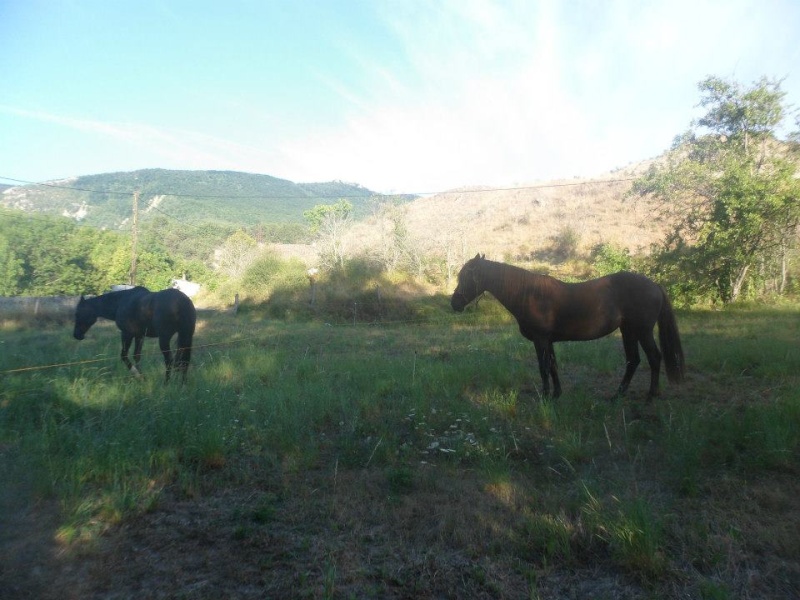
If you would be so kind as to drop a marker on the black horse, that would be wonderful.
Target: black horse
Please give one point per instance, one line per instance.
(548, 310)
(138, 312)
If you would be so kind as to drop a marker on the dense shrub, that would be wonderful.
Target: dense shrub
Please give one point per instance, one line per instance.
(610, 258)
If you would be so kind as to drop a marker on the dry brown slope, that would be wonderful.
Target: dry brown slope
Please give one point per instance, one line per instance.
(515, 223)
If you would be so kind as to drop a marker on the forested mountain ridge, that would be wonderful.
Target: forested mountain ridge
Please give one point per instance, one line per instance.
(192, 197)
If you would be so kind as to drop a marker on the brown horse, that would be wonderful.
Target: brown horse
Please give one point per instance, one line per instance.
(548, 310)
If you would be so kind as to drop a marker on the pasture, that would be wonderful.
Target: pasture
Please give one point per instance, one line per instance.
(400, 459)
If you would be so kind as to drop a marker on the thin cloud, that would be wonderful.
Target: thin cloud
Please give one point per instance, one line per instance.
(421, 96)
(188, 149)
(112, 130)
(514, 92)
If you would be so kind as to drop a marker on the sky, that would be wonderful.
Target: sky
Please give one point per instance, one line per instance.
(399, 96)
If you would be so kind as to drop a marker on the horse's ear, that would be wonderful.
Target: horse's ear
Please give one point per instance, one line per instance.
(478, 256)
(81, 300)
(483, 256)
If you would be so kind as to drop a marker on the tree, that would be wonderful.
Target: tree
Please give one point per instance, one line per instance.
(155, 269)
(10, 268)
(729, 187)
(237, 253)
(55, 257)
(42, 256)
(329, 223)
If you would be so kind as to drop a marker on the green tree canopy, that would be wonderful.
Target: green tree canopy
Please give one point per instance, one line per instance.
(11, 268)
(43, 256)
(729, 187)
(323, 215)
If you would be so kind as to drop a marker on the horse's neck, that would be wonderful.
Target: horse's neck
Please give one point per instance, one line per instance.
(107, 305)
(506, 283)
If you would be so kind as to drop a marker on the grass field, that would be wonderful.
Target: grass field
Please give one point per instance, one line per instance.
(402, 459)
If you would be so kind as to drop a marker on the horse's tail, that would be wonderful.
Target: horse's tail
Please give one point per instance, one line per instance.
(670, 341)
(188, 318)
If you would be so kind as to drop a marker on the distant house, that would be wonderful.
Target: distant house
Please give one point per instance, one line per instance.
(120, 287)
(190, 288)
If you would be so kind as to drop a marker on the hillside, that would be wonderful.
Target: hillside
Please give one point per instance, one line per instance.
(523, 224)
(223, 197)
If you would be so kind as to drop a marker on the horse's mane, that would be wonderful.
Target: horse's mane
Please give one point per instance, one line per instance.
(514, 280)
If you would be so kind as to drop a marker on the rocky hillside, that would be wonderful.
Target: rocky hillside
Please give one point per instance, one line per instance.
(189, 197)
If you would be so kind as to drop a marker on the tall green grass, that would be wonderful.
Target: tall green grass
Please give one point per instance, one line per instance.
(460, 393)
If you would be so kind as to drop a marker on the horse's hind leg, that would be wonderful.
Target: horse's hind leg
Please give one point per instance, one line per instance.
(137, 354)
(544, 371)
(554, 370)
(632, 358)
(547, 368)
(163, 343)
(654, 360)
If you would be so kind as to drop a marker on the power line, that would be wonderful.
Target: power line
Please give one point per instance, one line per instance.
(22, 215)
(541, 186)
(183, 195)
(345, 196)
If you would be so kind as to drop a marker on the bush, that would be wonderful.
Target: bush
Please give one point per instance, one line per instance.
(257, 280)
(610, 258)
(565, 244)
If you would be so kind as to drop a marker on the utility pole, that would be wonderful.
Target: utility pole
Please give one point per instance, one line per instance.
(134, 237)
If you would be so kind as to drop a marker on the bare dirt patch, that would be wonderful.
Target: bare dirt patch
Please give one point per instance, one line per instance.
(379, 534)
(311, 535)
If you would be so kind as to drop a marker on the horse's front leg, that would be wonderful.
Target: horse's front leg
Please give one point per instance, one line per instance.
(127, 338)
(163, 342)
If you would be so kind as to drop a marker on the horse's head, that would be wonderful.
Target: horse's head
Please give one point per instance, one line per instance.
(468, 287)
(85, 317)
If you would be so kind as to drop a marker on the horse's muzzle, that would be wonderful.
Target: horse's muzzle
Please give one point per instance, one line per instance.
(457, 303)
(79, 335)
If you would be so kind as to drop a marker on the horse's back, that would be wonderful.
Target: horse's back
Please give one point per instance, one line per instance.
(176, 307)
(153, 314)
(128, 312)
(618, 288)
(594, 308)
(627, 284)
(174, 297)
(637, 296)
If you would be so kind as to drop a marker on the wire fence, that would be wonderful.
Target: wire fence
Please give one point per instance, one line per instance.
(66, 309)
(37, 306)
